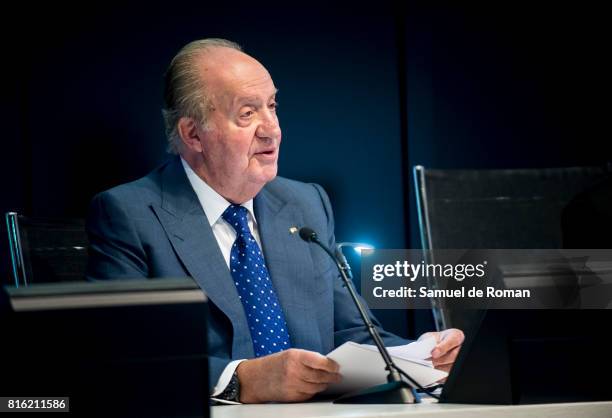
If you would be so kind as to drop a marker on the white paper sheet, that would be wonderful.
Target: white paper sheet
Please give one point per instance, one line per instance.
(415, 351)
(362, 367)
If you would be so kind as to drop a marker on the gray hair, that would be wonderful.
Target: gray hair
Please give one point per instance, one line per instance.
(184, 90)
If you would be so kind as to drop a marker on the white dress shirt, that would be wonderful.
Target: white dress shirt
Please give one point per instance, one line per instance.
(214, 205)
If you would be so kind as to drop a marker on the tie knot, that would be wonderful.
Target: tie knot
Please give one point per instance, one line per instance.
(236, 216)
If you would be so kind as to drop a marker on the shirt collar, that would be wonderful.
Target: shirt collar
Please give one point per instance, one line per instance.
(212, 202)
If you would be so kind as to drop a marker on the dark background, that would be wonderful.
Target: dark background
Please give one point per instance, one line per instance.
(367, 90)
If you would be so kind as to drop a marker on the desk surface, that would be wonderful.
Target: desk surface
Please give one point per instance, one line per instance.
(327, 409)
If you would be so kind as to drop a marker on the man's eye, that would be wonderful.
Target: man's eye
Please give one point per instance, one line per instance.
(247, 114)
(273, 106)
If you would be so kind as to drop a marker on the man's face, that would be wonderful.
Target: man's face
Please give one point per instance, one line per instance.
(241, 139)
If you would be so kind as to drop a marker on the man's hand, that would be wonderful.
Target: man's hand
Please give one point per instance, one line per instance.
(288, 376)
(445, 352)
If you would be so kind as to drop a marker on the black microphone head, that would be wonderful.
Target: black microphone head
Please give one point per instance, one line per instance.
(308, 234)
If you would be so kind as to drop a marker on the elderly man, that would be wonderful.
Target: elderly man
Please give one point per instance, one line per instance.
(217, 212)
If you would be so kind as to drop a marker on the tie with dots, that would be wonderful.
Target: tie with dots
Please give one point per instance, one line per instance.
(255, 290)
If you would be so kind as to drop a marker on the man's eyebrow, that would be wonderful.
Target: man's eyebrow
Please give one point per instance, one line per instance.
(248, 99)
(252, 99)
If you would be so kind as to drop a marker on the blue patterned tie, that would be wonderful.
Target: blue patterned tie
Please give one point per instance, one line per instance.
(261, 306)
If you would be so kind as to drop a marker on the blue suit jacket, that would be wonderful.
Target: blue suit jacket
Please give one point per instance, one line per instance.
(156, 227)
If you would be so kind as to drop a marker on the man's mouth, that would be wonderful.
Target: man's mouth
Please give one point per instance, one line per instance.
(271, 152)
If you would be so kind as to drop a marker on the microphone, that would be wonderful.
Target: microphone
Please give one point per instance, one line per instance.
(396, 390)
(308, 234)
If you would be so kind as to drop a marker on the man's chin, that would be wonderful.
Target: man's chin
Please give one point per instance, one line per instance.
(265, 176)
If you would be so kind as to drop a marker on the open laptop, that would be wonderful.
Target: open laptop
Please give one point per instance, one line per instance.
(533, 356)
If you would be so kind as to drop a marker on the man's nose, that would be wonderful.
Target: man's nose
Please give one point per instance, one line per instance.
(269, 128)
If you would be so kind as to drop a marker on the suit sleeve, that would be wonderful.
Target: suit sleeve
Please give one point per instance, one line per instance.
(348, 325)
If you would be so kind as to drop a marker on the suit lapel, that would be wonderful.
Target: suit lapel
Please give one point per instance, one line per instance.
(290, 266)
(189, 231)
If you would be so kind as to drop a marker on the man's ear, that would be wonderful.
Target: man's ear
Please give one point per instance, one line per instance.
(190, 132)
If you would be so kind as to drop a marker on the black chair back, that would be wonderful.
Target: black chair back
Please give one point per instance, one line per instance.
(46, 250)
(496, 209)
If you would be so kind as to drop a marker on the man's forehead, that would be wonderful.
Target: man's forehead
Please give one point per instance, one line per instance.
(226, 64)
(234, 77)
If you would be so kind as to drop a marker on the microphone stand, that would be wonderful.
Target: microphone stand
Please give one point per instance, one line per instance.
(396, 390)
